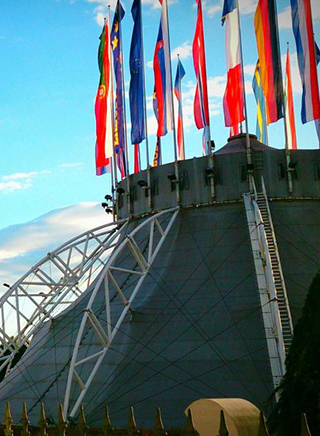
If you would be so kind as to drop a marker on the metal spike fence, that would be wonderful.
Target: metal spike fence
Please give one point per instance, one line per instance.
(46, 427)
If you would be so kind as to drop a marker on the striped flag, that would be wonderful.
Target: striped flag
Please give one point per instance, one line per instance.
(233, 105)
(303, 33)
(119, 127)
(177, 90)
(266, 29)
(136, 94)
(201, 104)
(157, 160)
(289, 109)
(162, 77)
(261, 129)
(103, 106)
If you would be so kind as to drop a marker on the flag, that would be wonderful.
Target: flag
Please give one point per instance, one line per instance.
(136, 94)
(157, 160)
(136, 159)
(177, 90)
(234, 130)
(201, 105)
(289, 109)
(103, 106)
(317, 123)
(266, 29)
(261, 129)
(119, 127)
(162, 75)
(306, 52)
(233, 105)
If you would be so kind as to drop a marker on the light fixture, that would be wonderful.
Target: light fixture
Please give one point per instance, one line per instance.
(143, 184)
(172, 177)
(6, 285)
(212, 144)
(108, 197)
(108, 210)
(120, 191)
(104, 205)
(293, 165)
(209, 172)
(250, 167)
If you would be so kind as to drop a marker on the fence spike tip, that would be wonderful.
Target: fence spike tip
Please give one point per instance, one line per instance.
(8, 421)
(223, 430)
(305, 431)
(106, 418)
(190, 427)
(132, 425)
(263, 430)
(158, 420)
(25, 420)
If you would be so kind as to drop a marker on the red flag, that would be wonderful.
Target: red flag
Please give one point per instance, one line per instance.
(103, 107)
(234, 130)
(289, 110)
(136, 159)
(201, 105)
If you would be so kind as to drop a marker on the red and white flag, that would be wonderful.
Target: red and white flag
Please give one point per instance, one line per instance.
(289, 109)
(201, 104)
(233, 105)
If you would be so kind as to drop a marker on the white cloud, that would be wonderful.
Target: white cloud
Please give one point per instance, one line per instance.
(21, 246)
(28, 175)
(71, 165)
(17, 181)
(213, 7)
(284, 17)
(184, 51)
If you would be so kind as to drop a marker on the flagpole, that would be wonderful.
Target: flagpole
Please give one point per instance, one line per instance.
(114, 160)
(249, 156)
(124, 114)
(145, 117)
(288, 158)
(176, 168)
(180, 102)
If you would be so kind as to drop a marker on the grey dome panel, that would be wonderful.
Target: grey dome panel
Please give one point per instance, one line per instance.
(196, 331)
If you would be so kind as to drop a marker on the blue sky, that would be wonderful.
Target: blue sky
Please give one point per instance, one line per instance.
(49, 78)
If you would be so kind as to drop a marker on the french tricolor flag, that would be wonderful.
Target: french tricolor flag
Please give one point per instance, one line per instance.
(303, 33)
(233, 105)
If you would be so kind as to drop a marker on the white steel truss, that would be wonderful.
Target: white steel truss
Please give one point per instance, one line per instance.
(52, 285)
(140, 257)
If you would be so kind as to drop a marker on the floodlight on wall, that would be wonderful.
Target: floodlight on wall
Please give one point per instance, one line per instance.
(172, 178)
(104, 205)
(108, 197)
(250, 167)
(143, 184)
(292, 165)
(120, 191)
(108, 210)
(212, 144)
(209, 172)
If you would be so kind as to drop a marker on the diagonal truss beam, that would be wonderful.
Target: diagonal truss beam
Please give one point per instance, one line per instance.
(113, 276)
(52, 285)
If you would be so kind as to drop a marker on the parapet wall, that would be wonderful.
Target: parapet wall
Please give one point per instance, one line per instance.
(230, 173)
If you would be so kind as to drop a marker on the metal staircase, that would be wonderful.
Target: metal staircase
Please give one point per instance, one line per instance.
(271, 286)
(279, 284)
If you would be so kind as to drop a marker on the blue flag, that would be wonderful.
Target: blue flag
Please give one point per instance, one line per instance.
(136, 83)
(119, 133)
